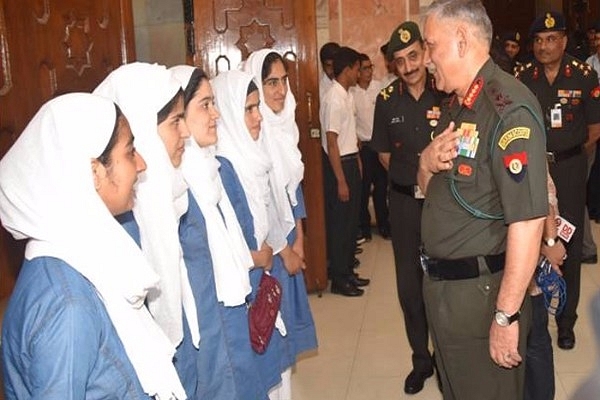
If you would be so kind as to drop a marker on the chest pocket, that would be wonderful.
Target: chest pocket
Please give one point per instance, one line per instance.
(458, 175)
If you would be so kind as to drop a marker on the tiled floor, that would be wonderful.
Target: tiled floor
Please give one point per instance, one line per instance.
(363, 351)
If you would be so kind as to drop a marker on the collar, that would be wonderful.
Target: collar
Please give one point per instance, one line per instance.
(478, 83)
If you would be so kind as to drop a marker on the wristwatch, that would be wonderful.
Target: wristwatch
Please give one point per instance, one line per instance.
(550, 242)
(503, 319)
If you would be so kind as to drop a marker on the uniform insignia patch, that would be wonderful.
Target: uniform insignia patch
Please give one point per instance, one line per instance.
(595, 92)
(434, 113)
(520, 132)
(468, 141)
(549, 22)
(473, 92)
(465, 170)
(516, 165)
(385, 92)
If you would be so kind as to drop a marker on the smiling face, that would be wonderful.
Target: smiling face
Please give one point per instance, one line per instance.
(201, 115)
(173, 131)
(410, 65)
(115, 176)
(442, 57)
(275, 87)
(252, 116)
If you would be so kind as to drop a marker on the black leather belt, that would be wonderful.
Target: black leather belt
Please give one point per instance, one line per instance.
(556, 156)
(408, 190)
(462, 268)
(348, 157)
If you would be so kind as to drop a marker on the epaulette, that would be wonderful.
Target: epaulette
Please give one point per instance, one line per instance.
(387, 91)
(585, 68)
(519, 69)
(498, 98)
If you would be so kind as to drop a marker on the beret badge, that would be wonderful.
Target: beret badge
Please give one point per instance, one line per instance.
(404, 35)
(549, 22)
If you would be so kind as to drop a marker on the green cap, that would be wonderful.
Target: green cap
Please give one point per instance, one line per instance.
(403, 36)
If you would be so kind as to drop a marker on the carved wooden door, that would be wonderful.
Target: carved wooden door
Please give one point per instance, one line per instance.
(47, 48)
(222, 33)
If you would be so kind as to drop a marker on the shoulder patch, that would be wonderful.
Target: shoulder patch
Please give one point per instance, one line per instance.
(595, 94)
(520, 132)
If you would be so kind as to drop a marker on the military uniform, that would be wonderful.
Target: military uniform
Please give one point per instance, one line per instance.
(569, 105)
(402, 127)
(498, 178)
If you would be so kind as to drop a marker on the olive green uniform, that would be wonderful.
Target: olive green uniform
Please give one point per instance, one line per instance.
(500, 176)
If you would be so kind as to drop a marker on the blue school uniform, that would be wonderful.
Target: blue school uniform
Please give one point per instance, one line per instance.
(274, 360)
(58, 341)
(223, 367)
(295, 307)
(224, 364)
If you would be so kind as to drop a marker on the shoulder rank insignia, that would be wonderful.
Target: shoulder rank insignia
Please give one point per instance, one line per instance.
(386, 92)
(595, 92)
(516, 165)
(585, 68)
(520, 132)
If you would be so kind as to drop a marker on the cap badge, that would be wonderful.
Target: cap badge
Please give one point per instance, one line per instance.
(404, 35)
(549, 22)
(518, 37)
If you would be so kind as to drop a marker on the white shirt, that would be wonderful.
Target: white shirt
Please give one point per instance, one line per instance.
(324, 85)
(364, 103)
(388, 79)
(337, 115)
(594, 61)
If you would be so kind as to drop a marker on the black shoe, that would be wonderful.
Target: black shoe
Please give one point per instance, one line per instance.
(415, 380)
(358, 281)
(566, 339)
(593, 259)
(345, 288)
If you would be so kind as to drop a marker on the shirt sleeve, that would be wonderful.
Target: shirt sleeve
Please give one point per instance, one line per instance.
(592, 98)
(64, 352)
(299, 209)
(334, 115)
(380, 140)
(519, 167)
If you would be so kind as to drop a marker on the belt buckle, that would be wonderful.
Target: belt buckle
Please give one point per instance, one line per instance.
(550, 157)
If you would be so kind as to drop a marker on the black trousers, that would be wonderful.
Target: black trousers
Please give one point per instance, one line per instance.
(570, 179)
(405, 221)
(373, 176)
(539, 363)
(341, 218)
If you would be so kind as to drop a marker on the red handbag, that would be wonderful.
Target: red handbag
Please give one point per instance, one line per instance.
(263, 312)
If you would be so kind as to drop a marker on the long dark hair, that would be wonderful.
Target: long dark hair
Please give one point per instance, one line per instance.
(195, 80)
(105, 158)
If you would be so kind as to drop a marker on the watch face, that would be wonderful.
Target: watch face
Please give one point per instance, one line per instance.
(550, 242)
(501, 318)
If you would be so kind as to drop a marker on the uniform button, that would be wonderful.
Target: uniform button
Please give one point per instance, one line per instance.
(487, 287)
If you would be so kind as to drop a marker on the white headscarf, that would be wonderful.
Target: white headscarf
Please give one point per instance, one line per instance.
(231, 258)
(47, 195)
(249, 158)
(142, 90)
(281, 138)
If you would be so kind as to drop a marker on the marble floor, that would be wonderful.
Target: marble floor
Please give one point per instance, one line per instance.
(363, 350)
